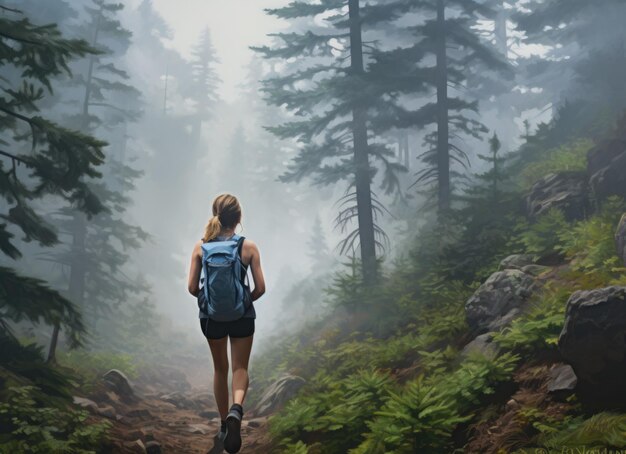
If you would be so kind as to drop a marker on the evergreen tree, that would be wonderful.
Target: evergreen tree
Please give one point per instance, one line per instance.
(55, 162)
(97, 253)
(204, 89)
(334, 101)
(443, 47)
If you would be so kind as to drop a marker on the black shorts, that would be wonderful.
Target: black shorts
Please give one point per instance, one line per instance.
(243, 327)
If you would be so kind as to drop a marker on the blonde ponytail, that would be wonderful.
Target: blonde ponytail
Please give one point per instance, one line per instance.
(226, 214)
(212, 229)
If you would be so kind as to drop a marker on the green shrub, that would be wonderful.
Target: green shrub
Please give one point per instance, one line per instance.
(570, 157)
(543, 237)
(28, 426)
(90, 365)
(603, 430)
(423, 415)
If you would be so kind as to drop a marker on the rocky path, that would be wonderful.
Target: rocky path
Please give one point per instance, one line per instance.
(177, 422)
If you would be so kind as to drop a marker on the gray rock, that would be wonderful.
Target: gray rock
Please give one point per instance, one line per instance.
(535, 270)
(566, 191)
(593, 342)
(481, 344)
(606, 167)
(201, 429)
(562, 379)
(179, 400)
(86, 403)
(498, 300)
(107, 411)
(119, 383)
(278, 393)
(136, 446)
(620, 239)
(517, 262)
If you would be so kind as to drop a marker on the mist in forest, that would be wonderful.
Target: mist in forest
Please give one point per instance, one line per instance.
(388, 155)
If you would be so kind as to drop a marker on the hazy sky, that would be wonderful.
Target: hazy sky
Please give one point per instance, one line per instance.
(234, 25)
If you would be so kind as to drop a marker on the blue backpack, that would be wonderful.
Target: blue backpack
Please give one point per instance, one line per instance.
(226, 296)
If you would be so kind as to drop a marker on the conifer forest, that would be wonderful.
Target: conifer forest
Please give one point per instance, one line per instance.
(437, 189)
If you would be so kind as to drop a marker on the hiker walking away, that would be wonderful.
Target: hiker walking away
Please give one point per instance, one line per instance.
(217, 277)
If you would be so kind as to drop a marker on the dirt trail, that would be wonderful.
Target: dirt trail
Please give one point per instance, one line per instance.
(179, 430)
(156, 419)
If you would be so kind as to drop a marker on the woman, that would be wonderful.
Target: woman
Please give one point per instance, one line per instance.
(226, 216)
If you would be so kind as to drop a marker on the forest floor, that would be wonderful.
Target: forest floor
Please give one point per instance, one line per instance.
(164, 419)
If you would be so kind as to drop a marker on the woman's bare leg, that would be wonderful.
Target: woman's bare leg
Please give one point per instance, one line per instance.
(240, 348)
(219, 351)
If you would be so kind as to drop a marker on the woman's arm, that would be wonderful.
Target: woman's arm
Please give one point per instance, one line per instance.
(194, 271)
(257, 271)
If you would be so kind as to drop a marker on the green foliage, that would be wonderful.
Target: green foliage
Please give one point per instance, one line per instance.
(337, 412)
(423, 415)
(539, 328)
(570, 157)
(27, 426)
(603, 430)
(543, 237)
(590, 246)
(90, 365)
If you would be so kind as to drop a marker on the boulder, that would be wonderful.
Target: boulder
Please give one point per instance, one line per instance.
(278, 393)
(566, 191)
(606, 167)
(481, 344)
(620, 239)
(593, 342)
(517, 262)
(107, 411)
(563, 380)
(201, 429)
(86, 403)
(117, 382)
(179, 400)
(136, 446)
(498, 300)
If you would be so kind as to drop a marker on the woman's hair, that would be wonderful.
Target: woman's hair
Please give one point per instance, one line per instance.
(226, 213)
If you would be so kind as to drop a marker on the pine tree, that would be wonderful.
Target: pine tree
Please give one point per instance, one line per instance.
(57, 160)
(444, 44)
(95, 261)
(205, 79)
(334, 101)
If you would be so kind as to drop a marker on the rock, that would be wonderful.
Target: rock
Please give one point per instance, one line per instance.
(517, 262)
(136, 446)
(512, 405)
(201, 429)
(179, 400)
(278, 393)
(606, 167)
(535, 270)
(593, 342)
(117, 382)
(498, 300)
(562, 379)
(86, 403)
(153, 447)
(209, 414)
(620, 239)
(566, 191)
(255, 422)
(107, 411)
(481, 344)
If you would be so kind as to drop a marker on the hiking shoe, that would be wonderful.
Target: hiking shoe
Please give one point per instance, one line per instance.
(232, 442)
(223, 431)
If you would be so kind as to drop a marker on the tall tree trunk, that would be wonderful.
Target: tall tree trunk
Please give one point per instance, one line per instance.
(76, 289)
(443, 150)
(361, 155)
